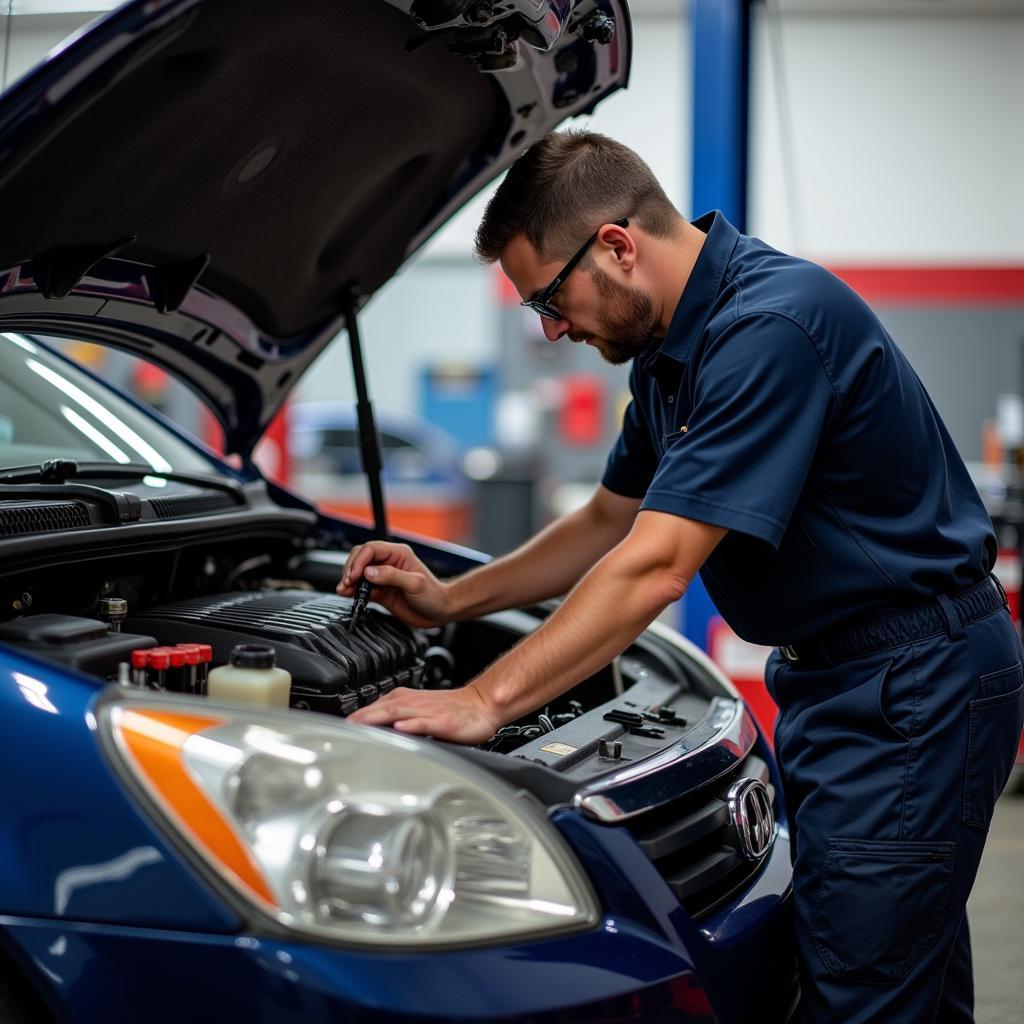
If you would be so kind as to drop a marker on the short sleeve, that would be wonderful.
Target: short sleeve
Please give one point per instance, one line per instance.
(633, 460)
(762, 401)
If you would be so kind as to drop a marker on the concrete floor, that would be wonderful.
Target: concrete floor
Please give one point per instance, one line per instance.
(996, 915)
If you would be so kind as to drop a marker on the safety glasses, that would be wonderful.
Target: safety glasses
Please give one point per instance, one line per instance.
(540, 302)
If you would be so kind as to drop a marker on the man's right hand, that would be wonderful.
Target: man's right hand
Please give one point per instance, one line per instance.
(401, 583)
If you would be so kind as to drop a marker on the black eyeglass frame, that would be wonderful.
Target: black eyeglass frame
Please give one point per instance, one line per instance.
(539, 302)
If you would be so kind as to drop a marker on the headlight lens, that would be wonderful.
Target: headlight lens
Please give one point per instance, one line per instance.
(350, 832)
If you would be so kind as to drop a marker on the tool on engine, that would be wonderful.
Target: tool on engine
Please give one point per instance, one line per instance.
(363, 588)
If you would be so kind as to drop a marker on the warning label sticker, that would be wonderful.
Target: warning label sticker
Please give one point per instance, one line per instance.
(561, 749)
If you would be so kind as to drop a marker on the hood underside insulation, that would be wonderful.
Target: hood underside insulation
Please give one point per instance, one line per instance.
(300, 146)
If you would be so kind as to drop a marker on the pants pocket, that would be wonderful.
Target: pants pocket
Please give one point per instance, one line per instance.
(880, 906)
(872, 707)
(993, 733)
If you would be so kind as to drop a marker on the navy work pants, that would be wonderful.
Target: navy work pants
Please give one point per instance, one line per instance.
(891, 765)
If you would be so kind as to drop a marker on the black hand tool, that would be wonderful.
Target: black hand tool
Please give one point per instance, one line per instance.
(363, 588)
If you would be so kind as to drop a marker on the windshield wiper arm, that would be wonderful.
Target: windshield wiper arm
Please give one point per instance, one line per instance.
(57, 471)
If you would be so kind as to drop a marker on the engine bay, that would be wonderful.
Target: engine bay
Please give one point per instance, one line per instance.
(268, 584)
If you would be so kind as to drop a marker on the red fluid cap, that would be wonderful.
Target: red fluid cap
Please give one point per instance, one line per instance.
(192, 654)
(160, 658)
(140, 659)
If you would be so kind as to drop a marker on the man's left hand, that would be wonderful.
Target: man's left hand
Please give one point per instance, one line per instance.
(461, 716)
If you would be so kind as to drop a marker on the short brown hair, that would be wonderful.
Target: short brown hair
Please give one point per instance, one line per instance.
(567, 185)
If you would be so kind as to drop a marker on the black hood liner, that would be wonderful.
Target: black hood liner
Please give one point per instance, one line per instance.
(365, 139)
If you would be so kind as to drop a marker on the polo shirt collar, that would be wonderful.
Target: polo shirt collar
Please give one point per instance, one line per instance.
(701, 289)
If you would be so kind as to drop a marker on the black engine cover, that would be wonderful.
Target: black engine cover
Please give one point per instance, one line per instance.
(332, 669)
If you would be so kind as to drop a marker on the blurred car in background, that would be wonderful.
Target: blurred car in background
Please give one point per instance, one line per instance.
(427, 491)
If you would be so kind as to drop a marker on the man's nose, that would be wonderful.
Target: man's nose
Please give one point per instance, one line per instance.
(554, 329)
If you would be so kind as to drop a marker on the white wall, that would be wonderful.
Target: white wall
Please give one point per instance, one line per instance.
(901, 138)
(434, 312)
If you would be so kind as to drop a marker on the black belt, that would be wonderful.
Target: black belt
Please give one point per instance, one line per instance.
(945, 614)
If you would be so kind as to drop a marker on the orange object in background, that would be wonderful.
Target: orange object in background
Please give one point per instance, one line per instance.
(87, 354)
(450, 522)
(991, 446)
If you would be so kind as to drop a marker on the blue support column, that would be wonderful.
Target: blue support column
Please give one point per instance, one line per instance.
(721, 61)
(721, 64)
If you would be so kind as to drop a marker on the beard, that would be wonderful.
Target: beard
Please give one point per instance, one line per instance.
(626, 321)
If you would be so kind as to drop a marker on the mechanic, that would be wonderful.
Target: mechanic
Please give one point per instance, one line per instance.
(778, 442)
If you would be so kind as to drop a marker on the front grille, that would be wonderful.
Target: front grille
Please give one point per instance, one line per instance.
(42, 517)
(693, 844)
(192, 505)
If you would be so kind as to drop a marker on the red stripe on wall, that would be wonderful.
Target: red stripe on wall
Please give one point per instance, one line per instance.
(950, 286)
(938, 285)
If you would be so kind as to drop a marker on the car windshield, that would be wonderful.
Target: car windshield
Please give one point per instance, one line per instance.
(50, 409)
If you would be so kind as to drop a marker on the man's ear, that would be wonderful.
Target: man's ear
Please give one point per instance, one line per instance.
(622, 244)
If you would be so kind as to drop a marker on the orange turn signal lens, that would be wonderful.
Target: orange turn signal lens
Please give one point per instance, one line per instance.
(155, 741)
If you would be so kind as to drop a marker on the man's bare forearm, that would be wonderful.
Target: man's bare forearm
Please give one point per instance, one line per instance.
(549, 564)
(605, 611)
(609, 608)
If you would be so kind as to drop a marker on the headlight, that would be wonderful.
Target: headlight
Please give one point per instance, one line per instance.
(349, 832)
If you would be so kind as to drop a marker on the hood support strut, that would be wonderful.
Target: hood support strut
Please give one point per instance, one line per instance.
(369, 441)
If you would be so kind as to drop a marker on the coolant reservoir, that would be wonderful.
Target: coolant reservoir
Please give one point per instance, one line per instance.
(251, 677)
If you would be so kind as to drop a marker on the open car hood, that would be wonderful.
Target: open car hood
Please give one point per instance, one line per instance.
(206, 183)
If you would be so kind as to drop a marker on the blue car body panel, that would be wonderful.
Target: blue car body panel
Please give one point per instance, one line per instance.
(168, 976)
(74, 844)
(88, 881)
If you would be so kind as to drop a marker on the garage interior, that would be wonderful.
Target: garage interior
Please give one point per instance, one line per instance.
(883, 139)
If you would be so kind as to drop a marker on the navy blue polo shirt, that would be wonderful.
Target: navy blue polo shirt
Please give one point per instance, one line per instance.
(778, 407)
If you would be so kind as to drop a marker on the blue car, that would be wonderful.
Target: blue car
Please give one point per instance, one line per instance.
(218, 187)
